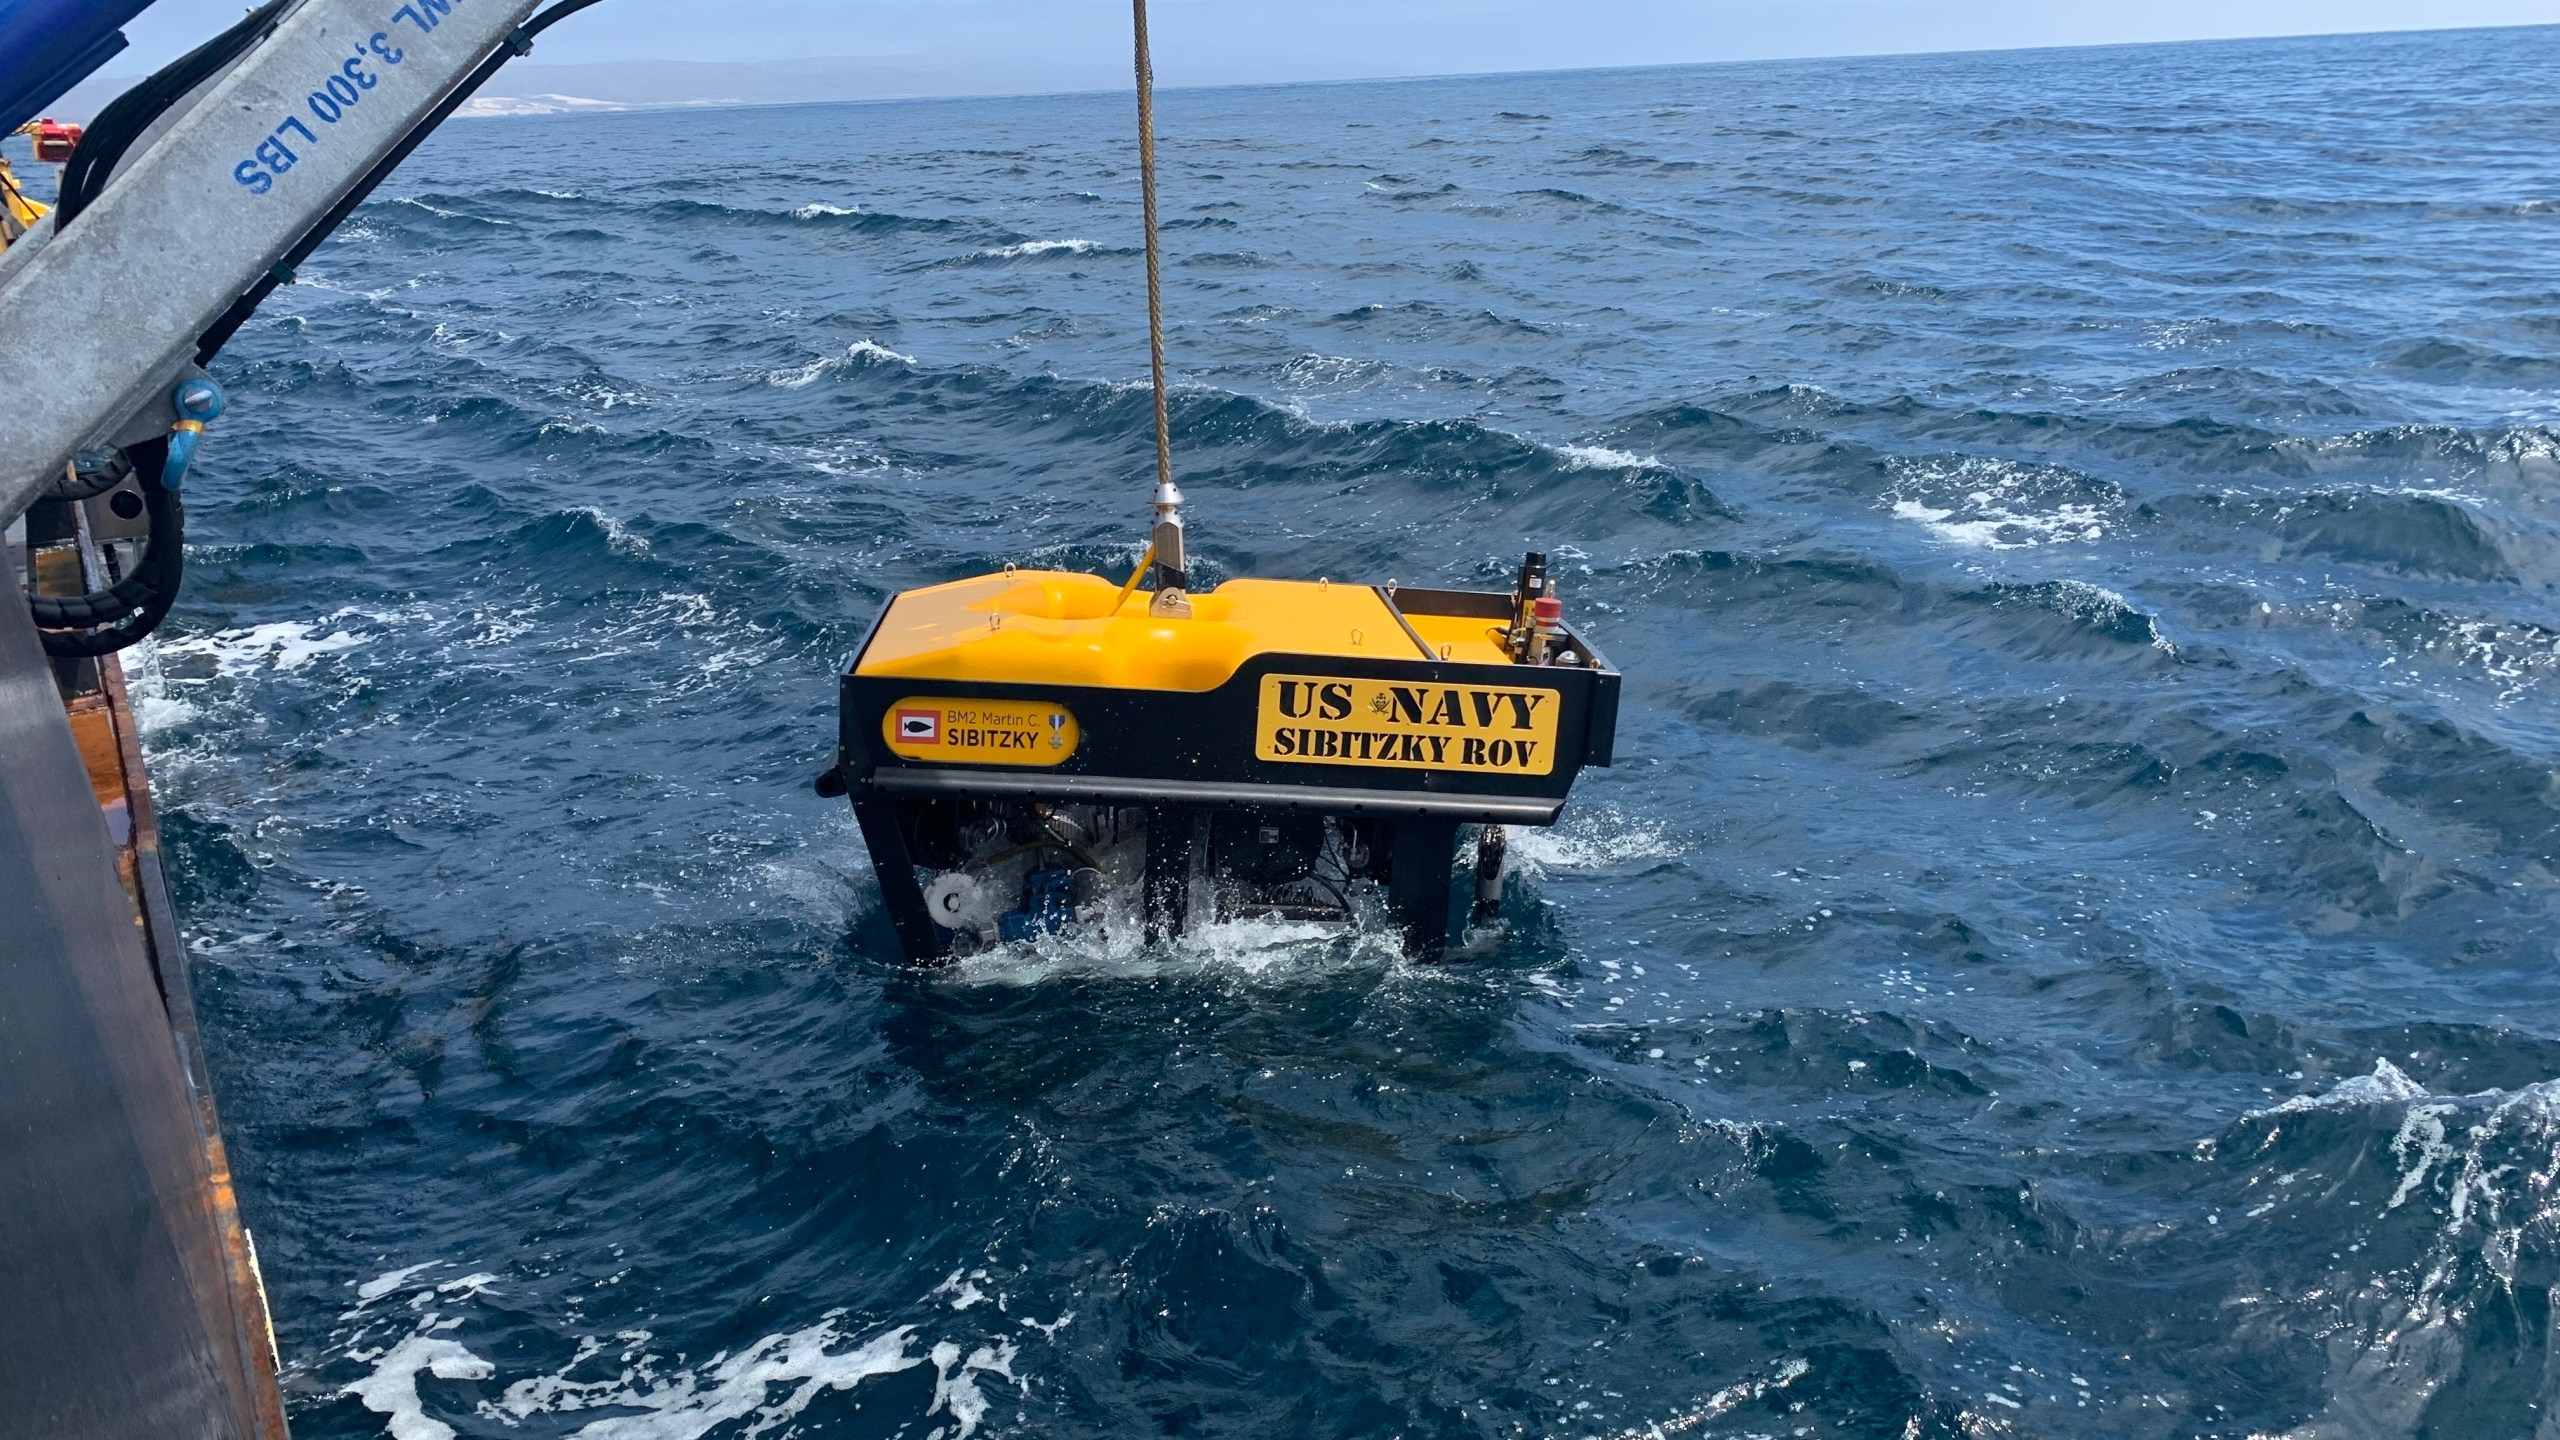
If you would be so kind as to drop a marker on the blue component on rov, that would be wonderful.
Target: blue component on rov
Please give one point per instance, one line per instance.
(198, 400)
(1048, 903)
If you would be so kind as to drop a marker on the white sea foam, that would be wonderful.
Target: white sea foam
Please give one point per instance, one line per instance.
(1314, 371)
(963, 1289)
(766, 1385)
(798, 377)
(2485, 1162)
(637, 1393)
(819, 210)
(392, 1388)
(390, 1280)
(1251, 951)
(955, 1391)
(2420, 1146)
(441, 213)
(2180, 335)
(2387, 1085)
(1601, 457)
(156, 707)
(602, 396)
(1995, 504)
(1601, 837)
(280, 646)
(1029, 248)
(2518, 657)
(2099, 605)
(1999, 528)
(839, 458)
(1719, 1404)
(2482, 1169)
(617, 538)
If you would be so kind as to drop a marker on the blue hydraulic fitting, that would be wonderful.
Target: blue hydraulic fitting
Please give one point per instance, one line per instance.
(197, 400)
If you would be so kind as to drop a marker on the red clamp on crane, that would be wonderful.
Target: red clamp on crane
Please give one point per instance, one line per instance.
(54, 140)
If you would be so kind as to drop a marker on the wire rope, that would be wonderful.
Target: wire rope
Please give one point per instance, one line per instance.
(1155, 257)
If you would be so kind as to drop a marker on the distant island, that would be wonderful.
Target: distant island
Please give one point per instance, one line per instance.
(536, 89)
(532, 88)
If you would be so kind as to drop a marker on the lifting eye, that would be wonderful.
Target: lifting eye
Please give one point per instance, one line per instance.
(126, 504)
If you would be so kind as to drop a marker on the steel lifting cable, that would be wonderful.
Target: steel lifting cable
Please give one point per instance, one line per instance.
(1155, 258)
(1165, 550)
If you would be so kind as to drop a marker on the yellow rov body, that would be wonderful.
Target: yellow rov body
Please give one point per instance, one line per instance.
(1020, 746)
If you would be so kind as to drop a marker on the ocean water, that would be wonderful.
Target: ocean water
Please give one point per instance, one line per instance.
(2067, 950)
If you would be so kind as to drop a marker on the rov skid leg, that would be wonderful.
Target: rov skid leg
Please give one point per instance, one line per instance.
(895, 864)
(1419, 852)
(1167, 896)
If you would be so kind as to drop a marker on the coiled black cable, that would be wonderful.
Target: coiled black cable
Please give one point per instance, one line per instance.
(105, 621)
(92, 474)
(102, 622)
(103, 143)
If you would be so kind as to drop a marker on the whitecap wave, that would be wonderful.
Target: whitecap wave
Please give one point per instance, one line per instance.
(860, 352)
(1993, 504)
(2483, 1164)
(2387, 1085)
(1601, 457)
(1030, 248)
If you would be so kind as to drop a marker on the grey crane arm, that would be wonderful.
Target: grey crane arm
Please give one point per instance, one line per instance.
(98, 322)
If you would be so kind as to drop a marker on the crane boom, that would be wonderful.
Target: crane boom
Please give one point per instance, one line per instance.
(103, 316)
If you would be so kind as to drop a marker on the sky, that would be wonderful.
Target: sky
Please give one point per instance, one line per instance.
(1030, 45)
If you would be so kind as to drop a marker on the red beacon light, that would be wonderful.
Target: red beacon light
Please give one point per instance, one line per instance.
(1546, 627)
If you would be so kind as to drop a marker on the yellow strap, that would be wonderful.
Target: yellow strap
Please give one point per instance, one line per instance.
(1134, 576)
(18, 214)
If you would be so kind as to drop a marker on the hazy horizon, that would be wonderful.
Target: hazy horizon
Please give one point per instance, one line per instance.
(1032, 45)
(584, 64)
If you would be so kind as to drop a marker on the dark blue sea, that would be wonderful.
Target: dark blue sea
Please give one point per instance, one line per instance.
(2067, 950)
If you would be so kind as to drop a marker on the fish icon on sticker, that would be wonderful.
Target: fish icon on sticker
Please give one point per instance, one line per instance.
(920, 727)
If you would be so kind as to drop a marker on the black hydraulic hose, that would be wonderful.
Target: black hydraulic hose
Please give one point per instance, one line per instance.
(83, 482)
(105, 621)
(102, 607)
(518, 42)
(127, 116)
(80, 644)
